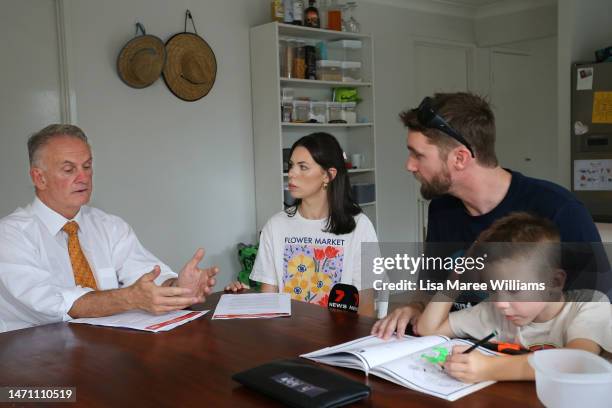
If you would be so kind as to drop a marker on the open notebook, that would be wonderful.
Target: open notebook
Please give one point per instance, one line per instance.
(401, 361)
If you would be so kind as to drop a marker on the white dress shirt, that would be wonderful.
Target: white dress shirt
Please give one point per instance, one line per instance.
(36, 280)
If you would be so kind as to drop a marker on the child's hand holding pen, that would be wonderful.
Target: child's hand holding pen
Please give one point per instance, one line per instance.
(467, 366)
(470, 367)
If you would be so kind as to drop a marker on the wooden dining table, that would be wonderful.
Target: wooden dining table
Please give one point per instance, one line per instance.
(192, 365)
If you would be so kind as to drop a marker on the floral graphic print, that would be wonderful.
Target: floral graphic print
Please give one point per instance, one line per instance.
(310, 271)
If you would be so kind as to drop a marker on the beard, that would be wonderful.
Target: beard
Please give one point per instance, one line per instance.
(438, 186)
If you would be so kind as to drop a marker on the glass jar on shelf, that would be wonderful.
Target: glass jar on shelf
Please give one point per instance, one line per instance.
(334, 16)
(286, 111)
(344, 50)
(351, 71)
(349, 112)
(318, 112)
(334, 112)
(352, 25)
(289, 57)
(301, 111)
(328, 70)
(299, 60)
(344, 22)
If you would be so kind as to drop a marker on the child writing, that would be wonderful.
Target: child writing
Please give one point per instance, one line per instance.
(576, 319)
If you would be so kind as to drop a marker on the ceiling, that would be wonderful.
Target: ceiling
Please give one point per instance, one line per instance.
(477, 3)
(468, 8)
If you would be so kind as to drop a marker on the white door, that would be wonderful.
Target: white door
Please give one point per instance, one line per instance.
(509, 88)
(440, 67)
(30, 84)
(523, 97)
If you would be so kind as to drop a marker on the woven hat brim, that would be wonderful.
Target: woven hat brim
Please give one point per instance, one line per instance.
(184, 45)
(125, 61)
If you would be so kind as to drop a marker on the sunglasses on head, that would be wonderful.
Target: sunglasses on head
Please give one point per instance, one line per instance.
(429, 118)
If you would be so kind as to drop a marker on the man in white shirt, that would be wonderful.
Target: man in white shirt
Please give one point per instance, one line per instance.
(60, 259)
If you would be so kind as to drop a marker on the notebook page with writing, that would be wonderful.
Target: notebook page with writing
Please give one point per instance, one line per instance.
(413, 371)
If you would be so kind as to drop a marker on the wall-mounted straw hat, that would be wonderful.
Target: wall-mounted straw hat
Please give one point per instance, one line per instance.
(191, 66)
(141, 60)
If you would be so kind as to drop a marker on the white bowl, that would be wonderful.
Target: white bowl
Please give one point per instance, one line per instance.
(572, 378)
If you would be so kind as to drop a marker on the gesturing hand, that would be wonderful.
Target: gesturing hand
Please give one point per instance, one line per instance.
(146, 295)
(199, 281)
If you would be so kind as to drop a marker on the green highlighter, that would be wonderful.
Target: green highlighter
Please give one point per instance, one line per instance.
(439, 357)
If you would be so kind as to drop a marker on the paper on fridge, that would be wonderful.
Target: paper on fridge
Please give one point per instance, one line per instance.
(253, 306)
(144, 321)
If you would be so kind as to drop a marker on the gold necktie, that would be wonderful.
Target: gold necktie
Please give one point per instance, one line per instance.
(83, 276)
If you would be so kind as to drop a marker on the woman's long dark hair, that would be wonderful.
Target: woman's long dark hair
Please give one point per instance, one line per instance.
(327, 153)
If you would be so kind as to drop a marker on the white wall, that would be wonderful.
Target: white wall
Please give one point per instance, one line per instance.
(584, 26)
(394, 30)
(527, 125)
(180, 172)
(30, 82)
(516, 27)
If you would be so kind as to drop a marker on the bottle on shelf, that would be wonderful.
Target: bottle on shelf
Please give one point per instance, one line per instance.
(277, 10)
(310, 55)
(323, 13)
(298, 12)
(288, 11)
(334, 16)
(311, 15)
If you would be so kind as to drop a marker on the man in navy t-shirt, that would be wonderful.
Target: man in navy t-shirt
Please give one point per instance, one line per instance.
(451, 143)
(450, 221)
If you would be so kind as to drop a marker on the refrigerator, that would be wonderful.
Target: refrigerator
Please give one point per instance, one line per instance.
(591, 135)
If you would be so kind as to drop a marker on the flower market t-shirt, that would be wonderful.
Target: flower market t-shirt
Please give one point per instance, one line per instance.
(298, 257)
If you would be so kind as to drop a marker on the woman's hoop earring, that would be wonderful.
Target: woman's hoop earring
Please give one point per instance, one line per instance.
(325, 184)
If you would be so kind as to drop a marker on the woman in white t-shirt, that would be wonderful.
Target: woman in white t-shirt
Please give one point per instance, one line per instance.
(315, 243)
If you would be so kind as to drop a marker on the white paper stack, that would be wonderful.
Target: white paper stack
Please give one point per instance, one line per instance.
(253, 306)
(144, 321)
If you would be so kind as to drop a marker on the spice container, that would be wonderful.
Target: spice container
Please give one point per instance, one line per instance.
(301, 111)
(349, 112)
(334, 112)
(318, 112)
(299, 61)
(351, 71)
(329, 70)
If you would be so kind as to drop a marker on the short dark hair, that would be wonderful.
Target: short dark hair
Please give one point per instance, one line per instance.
(467, 113)
(521, 227)
(39, 139)
(327, 153)
(511, 236)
